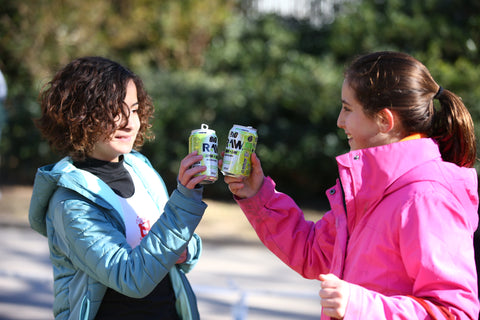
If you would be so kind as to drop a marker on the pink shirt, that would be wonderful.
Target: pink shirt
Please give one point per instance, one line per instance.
(408, 230)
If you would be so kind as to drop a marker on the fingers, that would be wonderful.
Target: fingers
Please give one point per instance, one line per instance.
(236, 187)
(192, 183)
(334, 295)
(183, 257)
(230, 179)
(220, 160)
(246, 187)
(235, 184)
(188, 161)
(256, 165)
(186, 174)
(330, 284)
(326, 277)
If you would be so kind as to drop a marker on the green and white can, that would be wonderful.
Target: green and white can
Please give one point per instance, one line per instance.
(242, 142)
(204, 141)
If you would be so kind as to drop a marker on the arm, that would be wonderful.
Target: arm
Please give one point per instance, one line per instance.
(305, 246)
(189, 258)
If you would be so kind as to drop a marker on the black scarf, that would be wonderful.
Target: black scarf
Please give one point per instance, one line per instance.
(114, 174)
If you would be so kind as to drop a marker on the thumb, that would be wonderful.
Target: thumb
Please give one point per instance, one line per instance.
(325, 277)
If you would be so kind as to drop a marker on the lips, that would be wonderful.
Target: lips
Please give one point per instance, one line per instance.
(124, 138)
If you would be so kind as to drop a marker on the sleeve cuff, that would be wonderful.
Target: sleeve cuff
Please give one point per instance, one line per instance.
(195, 194)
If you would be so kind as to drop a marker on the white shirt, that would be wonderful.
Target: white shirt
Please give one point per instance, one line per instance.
(140, 211)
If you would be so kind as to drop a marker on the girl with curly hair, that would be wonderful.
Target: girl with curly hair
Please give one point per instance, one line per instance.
(120, 247)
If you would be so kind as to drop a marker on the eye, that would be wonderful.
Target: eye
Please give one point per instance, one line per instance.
(134, 108)
(346, 108)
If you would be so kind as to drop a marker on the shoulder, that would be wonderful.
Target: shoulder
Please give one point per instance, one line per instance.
(74, 215)
(440, 198)
(434, 174)
(71, 203)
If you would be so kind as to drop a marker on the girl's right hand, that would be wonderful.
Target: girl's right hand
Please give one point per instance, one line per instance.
(334, 296)
(246, 187)
(186, 174)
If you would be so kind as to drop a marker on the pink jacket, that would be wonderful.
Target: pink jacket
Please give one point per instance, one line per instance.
(408, 231)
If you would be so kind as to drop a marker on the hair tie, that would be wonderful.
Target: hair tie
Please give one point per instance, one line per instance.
(439, 93)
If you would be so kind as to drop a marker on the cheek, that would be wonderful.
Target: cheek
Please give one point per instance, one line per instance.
(136, 122)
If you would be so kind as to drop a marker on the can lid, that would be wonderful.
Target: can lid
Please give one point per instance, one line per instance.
(204, 129)
(249, 129)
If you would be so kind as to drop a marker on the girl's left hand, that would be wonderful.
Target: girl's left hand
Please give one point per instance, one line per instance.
(182, 258)
(334, 296)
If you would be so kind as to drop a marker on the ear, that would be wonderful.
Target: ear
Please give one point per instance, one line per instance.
(386, 120)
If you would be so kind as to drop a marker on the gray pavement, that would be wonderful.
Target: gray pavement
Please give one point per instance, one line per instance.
(237, 281)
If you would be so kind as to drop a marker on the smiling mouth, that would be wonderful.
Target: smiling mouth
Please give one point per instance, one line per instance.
(124, 138)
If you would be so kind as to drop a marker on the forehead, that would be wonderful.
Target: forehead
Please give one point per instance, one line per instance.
(348, 94)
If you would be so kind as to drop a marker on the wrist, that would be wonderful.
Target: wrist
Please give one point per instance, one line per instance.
(195, 193)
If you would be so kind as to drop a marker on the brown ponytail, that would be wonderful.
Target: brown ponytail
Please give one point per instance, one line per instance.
(453, 130)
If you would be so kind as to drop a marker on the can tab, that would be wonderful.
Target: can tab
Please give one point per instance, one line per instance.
(204, 126)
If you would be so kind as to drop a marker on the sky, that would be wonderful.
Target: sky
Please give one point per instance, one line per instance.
(295, 7)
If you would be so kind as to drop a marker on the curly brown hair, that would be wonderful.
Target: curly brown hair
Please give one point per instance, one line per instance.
(80, 105)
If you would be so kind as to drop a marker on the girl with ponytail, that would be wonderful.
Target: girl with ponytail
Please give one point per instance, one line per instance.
(402, 84)
(397, 241)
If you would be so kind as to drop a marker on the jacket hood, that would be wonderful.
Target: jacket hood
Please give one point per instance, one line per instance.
(367, 175)
(64, 174)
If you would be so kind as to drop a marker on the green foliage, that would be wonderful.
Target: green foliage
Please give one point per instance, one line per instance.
(439, 29)
(40, 36)
(203, 62)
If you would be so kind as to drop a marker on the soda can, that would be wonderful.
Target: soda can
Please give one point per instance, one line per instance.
(242, 142)
(204, 141)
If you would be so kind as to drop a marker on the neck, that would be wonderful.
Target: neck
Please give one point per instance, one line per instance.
(414, 136)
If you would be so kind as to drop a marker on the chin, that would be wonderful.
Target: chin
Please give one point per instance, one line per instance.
(124, 150)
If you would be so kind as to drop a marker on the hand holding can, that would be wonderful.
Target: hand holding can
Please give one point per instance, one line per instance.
(204, 141)
(241, 144)
(246, 187)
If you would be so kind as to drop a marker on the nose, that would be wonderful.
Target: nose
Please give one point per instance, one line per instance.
(127, 123)
(340, 121)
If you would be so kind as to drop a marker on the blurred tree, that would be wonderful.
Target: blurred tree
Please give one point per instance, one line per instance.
(205, 63)
(430, 29)
(39, 36)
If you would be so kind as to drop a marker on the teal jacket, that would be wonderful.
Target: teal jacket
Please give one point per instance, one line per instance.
(83, 220)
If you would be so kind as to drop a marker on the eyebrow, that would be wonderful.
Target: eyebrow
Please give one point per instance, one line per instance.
(345, 102)
(133, 105)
